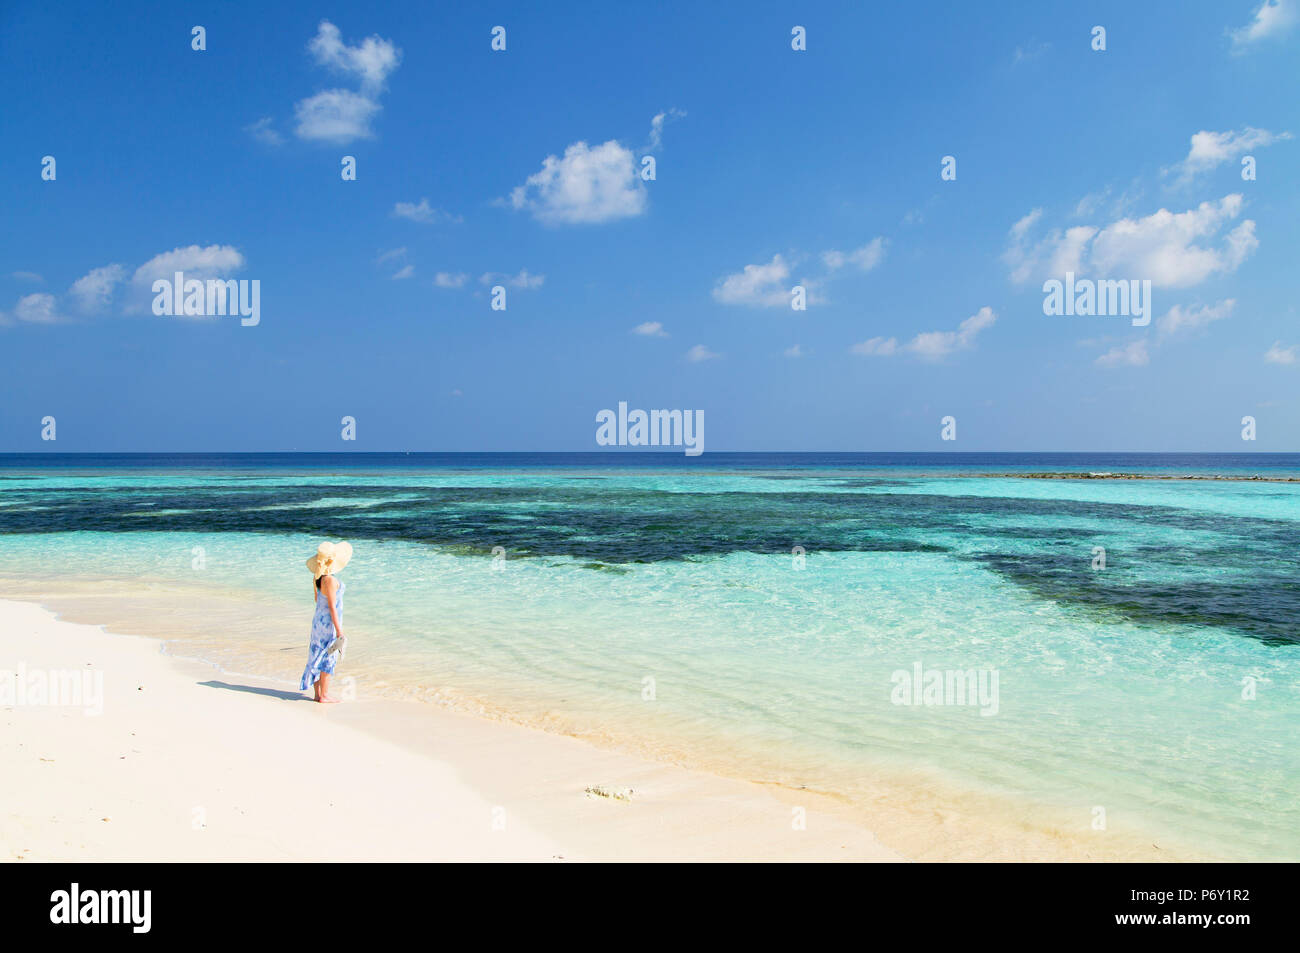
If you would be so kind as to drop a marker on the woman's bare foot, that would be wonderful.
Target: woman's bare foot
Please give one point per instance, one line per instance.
(328, 700)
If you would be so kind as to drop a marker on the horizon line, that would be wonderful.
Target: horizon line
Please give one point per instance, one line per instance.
(611, 453)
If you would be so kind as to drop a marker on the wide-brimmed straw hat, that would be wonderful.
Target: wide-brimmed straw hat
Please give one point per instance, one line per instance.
(329, 559)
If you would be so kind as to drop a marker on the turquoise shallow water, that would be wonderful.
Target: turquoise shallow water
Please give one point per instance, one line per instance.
(1161, 688)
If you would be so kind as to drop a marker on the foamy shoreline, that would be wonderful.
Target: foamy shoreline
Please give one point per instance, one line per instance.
(184, 764)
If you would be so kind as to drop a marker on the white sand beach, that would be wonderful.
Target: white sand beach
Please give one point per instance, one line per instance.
(185, 763)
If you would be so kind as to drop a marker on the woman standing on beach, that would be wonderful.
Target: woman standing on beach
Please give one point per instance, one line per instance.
(326, 644)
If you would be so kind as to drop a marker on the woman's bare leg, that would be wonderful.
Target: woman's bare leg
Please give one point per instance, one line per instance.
(323, 690)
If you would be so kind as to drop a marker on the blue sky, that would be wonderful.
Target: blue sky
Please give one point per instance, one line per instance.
(774, 168)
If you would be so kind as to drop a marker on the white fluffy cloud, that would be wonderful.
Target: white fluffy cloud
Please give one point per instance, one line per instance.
(769, 286)
(1133, 354)
(1178, 321)
(521, 280)
(657, 127)
(370, 62)
(1272, 18)
(1211, 149)
(395, 258)
(763, 286)
(336, 115)
(37, 308)
(94, 291)
(1168, 248)
(212, 261)
(865, 258)
(446, 279)
(651, 329)
(584, 187)
(1278, 354)
(589, 185)
(424, 213)
(340, 116)
(931, 345)
(700, 353)
(1059, 252)
(264, 131)
(1162, 245)
(1021, 228)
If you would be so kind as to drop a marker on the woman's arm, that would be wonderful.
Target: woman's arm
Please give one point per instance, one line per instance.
(329, 585)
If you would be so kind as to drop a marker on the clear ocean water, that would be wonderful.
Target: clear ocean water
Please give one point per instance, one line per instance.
(755, 613)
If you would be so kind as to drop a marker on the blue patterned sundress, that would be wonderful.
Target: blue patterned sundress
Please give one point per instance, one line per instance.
(322, 634)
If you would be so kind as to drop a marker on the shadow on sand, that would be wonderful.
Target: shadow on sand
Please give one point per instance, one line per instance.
(255, 690)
